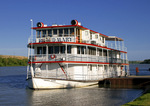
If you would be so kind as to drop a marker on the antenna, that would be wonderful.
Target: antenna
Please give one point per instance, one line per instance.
(32, 39)
(31, 27)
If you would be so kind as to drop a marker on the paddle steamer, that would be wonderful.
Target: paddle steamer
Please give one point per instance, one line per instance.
(66, 56)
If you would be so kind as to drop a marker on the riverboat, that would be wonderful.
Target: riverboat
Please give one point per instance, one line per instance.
(68, 56)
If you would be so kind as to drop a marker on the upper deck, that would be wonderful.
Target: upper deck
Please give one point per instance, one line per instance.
(74, 34)
(75, 44)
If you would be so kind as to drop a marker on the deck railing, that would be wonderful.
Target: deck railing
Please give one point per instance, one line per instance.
(75, 57)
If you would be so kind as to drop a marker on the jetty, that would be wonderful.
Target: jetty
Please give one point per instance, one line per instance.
(126, 82)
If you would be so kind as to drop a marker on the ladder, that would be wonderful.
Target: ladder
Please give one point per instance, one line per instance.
(64, 71)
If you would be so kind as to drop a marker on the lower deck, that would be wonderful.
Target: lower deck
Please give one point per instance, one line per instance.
(77, 71)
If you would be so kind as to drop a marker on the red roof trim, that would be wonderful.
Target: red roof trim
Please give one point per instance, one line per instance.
(76, 62)
(54, 26)
(78, 43)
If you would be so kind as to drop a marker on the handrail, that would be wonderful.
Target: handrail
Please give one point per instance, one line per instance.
(75, 57)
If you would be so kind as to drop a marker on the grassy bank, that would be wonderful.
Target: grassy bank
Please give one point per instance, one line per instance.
(143, 100)
(6, 60)
(135, 62)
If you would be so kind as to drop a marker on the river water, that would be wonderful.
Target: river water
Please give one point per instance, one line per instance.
(14, 92)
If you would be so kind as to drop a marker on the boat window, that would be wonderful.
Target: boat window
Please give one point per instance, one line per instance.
(78, 49)
(92, 51)
(90, 67)
(54, 31)
(82, 49)
(100, 52)
(68, 49)
(86, 50)
(102, 39)
(50, 50)
(39, 50)
(86, 33)
(44, 50)
(90, 36)
(50, 33)
(44, 33)
(60, 32)
(105, 53)
(71, 31)
(66, 32)
(56, 49)
(38, 33)
(78, 31)
(96, 36)
(62, 49)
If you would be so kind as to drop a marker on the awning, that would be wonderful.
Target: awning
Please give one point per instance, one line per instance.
(113, 38)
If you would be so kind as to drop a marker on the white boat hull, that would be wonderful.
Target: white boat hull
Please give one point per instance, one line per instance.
(39, 83)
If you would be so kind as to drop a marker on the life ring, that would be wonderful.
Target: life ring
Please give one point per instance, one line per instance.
(40, 24)
(53, 56)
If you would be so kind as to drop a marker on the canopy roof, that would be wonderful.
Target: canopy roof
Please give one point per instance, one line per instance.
(113, 38)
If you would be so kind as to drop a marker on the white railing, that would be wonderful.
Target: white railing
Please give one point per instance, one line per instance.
(116, 47)
(71, 38)
(83, 76)
(74, 57)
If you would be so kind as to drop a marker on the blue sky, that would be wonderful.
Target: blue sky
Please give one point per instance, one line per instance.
(127, 19)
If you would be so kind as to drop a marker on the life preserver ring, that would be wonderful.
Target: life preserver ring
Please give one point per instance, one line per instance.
(74, 22)
(40, 24)
(53, 56)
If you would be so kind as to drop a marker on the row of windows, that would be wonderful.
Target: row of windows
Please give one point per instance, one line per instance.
(99, 67)
(51, 32)
(61, 50)
(53, 49)
(96, 37)
(90, 51)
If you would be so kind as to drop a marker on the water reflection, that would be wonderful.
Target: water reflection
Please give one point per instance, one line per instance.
(82, 96)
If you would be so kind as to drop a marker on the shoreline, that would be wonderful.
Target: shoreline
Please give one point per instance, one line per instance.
(143, 100)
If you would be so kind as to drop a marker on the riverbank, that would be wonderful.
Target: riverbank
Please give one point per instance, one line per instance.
(146, 61)
(143, 100)
(8, 60)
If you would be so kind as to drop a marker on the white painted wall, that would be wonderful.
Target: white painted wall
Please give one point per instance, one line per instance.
(74, 50)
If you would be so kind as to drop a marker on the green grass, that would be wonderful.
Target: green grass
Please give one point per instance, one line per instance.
(143, 100)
